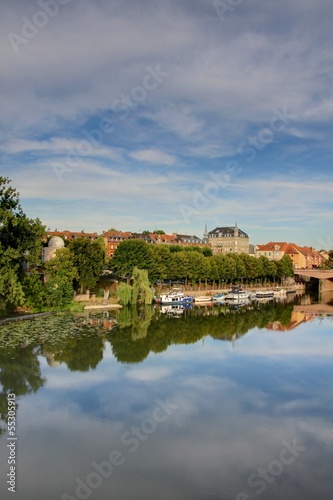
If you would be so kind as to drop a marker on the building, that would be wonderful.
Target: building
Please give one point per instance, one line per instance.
(229, 239)
(302, 257)
(274, 250)
(189, 240)
(54, 244)
(69, 235)
(113, 238)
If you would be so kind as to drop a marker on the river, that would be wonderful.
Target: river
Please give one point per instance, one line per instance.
(212, 402)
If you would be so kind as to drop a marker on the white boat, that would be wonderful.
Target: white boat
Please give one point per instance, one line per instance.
(264, 294)
(279, 292)
(237, 294)
(203, 298)
(177, 296)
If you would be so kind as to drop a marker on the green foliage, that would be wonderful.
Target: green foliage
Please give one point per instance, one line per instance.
(207, 251)
(125, 294)
(140, 291)
(34, 291)
(141, 288)
(284, 267)
(59, 293)
(20, 243)
(88, 258)
(133, 253)
(62, 265)
(60, 273)
(196, 264)
(162, 261)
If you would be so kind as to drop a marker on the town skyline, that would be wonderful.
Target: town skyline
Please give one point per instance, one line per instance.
(127, 233)
(171, 114)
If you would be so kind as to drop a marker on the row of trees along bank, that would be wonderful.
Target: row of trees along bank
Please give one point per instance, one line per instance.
(190, 264)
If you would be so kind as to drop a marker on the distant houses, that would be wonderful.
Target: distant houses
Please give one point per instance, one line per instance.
(221, 240)
(302, 257)
(113, 238)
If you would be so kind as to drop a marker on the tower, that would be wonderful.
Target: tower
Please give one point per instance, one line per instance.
(205, 238)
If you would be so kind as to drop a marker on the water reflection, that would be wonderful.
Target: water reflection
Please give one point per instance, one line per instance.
(234, 409)
(79, 340)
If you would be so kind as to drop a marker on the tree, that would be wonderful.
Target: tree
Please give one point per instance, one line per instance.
(162, 262)
(284, 267)
(20, 244)
(197, 267)
(179, 265)
(207, 251)
(269, 269)
(130, 254)
(140, 291)
(88, 258)
(60, 273)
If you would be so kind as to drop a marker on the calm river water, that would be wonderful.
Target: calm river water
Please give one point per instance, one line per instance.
(205, 403)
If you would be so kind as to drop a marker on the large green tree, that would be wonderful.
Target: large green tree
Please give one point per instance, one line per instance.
(89, 259)
(284, 267)
(60, 273)
(133, 253)
(20, 244)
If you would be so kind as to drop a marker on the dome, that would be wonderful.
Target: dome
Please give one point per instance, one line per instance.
(56, 242)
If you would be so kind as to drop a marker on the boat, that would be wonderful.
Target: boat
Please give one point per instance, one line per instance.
(279, 292)
(177, 296)
(203, 298)
(264, 294)
(236, 293)
(219, 297)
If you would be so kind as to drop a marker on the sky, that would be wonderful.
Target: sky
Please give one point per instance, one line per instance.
(138, 114)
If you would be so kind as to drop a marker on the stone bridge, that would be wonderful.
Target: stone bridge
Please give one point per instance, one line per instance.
(325, 277)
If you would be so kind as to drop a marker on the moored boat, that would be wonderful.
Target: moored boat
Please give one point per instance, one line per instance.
(236, 293)
(219, 297)
(264, 294)
(279, 292)
(177, 296)
(203, 298)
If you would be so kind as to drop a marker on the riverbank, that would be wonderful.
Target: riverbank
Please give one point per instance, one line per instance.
(25, 317)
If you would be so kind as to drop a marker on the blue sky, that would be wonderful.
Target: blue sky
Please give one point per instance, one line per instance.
(173, 114)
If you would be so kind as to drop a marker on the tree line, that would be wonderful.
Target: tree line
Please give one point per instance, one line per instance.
(193, 265)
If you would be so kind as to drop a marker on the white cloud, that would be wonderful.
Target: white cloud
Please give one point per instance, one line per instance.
(153, 156)
(149, 374)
